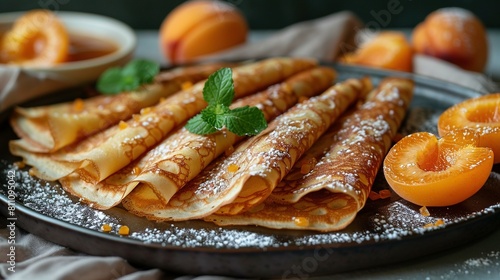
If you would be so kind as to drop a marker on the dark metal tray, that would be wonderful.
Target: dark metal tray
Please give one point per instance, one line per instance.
(385, 231)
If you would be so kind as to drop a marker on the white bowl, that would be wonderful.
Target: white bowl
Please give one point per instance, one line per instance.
(34, 81)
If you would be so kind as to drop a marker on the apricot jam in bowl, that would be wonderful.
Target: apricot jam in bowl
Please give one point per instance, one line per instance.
(43, 51)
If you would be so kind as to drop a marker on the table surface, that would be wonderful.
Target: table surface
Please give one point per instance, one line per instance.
(478, 260)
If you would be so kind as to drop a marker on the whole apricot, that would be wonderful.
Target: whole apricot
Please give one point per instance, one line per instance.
(201, 27)
(455, 35)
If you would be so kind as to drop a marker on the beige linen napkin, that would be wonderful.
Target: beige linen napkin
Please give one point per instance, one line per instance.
(18, 85)
(321, 38)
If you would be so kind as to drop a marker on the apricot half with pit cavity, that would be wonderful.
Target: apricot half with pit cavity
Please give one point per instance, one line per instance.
(481, 114)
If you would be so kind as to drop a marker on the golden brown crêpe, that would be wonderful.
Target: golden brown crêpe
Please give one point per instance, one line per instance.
(182, 155)
(49, 128)
(325, 191)
(246, 177)
(104, 153)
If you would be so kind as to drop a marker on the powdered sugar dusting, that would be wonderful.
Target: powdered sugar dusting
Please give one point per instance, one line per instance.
(485, 263)
(51, 200)
(399, 221)
(381, 220)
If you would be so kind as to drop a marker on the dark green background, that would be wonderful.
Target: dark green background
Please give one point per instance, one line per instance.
(265, 14)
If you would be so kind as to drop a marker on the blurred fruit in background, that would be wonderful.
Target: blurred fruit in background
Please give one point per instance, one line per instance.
(201, 27)
(387, 49)
(455, 35)
(37, 38)
(451, 34)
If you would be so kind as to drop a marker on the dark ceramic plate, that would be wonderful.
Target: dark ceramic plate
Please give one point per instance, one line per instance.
(384, 232)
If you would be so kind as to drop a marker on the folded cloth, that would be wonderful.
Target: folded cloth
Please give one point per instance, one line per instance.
(18, 85)
(322, 38)
(439, 69)
(36, 258)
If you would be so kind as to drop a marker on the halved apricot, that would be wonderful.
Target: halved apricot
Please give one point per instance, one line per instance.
(481, 114)
(388, 49)
(38, 38)
(428, 171)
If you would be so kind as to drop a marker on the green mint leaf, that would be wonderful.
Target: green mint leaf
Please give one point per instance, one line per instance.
(214, 115)
(128, 78)
(197, 125)
(143, 70)
(219, 87)
(218, 92)
(110, 81)
(129, 83)
(245, 121)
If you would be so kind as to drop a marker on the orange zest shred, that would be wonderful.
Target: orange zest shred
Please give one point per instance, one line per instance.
(124, 230)
(424, 211)
(106, 228)
(374, 195)
(78, 105)
(186, 85)
(301, 221)
(384, 194)
(437, 223)
(146, 110)
(233, 168)
(122, 125)
(136, 170)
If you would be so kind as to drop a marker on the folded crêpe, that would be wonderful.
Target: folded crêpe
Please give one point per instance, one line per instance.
(49, 128)
(331, 182)
(182, 155)
(234, 183)
(102, 154)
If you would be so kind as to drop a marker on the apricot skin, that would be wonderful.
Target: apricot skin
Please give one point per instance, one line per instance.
(201, 27)
(454, 35)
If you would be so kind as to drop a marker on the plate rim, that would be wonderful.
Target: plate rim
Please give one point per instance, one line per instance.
(372, 72)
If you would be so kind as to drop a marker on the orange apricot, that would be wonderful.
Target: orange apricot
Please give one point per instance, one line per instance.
(38, 38)
(388, 49)
(455, 35)
(481, 114)
(201, 27)
(438, 172)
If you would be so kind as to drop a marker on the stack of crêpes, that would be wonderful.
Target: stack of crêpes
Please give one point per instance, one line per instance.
(311, 169)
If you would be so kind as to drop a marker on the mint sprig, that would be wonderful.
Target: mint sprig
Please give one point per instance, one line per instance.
(218, 92)
(130, 77)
